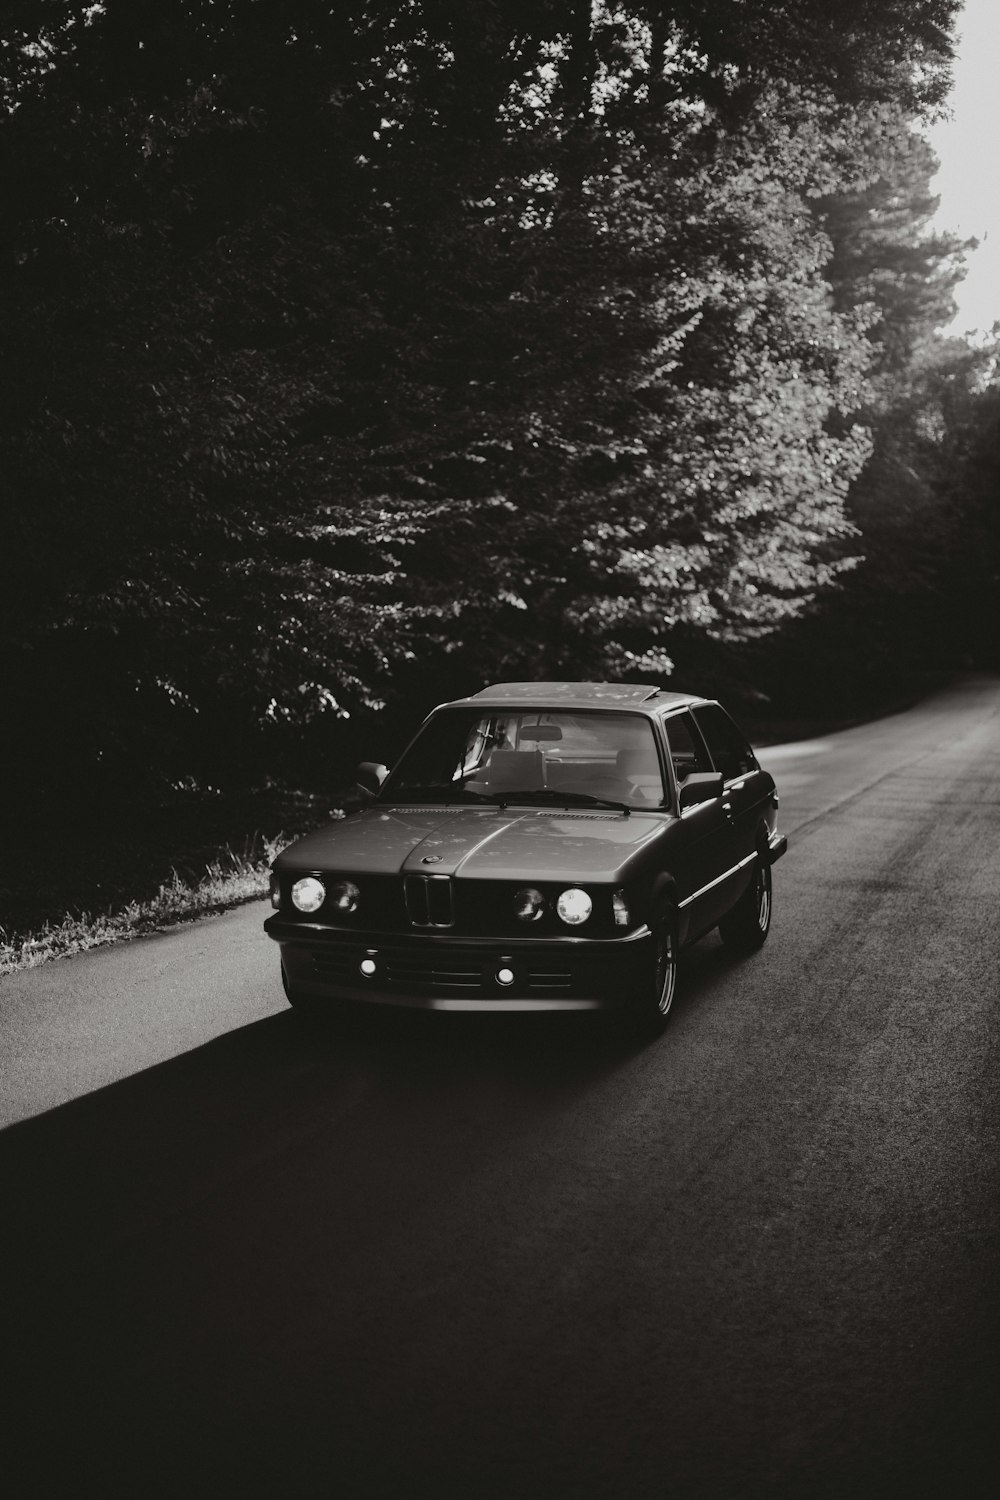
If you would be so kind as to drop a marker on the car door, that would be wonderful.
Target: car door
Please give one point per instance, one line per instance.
(707, 863)
(746, 786)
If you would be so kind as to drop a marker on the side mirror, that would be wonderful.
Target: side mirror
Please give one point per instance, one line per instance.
(370, 776)
(701, 786)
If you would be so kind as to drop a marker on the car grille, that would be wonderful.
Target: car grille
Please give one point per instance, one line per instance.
(428, 903)
(429, 900)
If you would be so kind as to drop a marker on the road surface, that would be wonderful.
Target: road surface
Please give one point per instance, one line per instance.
(495, 1256)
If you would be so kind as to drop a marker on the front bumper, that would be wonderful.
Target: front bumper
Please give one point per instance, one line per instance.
(442, 972)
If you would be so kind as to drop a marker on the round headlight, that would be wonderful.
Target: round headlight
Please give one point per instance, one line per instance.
(344, 897)
(529, 905)
(574, 906)
(308, 893)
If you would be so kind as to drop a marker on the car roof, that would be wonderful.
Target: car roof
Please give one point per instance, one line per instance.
(645, 696)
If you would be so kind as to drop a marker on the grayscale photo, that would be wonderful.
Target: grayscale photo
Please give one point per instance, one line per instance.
(500, 669)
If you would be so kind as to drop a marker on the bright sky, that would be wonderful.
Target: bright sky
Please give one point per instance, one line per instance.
(969, 149)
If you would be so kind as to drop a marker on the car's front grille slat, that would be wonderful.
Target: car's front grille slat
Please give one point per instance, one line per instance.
(549, 979)
(411, 974)
(440, 903)
(417, 904)
(333, 963)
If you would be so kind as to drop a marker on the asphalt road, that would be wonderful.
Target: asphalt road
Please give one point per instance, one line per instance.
(523, 1256)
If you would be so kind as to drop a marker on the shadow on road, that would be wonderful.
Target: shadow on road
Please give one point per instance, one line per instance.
(127, 1150)
(252, 1081)
(177, 1239)
(411, 1250)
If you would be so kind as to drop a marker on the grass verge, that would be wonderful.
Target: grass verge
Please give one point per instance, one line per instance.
(228, 881)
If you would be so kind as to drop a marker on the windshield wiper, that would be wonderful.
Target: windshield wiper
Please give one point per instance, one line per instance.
(435, 792)
(551, 795)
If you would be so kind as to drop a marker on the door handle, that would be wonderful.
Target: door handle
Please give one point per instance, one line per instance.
(727, 808)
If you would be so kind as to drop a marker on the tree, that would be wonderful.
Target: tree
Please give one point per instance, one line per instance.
(339, 338)
(895, 612)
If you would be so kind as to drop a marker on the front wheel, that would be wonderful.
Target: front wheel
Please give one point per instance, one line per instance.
(745, 928)
(657, 996)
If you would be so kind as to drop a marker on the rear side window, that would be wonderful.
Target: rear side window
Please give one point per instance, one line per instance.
(686, 748)
(726, 744)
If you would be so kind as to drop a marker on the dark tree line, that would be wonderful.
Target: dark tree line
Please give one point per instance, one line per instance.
(357, 352)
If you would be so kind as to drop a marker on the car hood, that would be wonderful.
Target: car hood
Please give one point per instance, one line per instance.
(476, 843)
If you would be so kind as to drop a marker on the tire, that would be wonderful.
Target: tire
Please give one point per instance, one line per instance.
(745, 928)
(653, 1006)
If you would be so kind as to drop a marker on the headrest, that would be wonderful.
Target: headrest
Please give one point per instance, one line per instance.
(637, 762)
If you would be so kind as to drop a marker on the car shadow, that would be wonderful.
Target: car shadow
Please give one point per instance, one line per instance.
(239, 1087)
(164, 1231)
(127, 1146)
(113, 1161)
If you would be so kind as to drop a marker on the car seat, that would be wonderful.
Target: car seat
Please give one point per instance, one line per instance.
(515, 770)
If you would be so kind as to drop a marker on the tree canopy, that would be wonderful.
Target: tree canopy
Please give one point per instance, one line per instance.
(349, 345)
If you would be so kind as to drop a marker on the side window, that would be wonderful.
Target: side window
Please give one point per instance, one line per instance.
(727, 747)
(686, 749)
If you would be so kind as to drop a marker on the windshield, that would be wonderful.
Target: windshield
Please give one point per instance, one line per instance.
(547, 756)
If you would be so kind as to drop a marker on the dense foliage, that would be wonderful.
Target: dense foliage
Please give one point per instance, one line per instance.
(353, 351)
(923, 597)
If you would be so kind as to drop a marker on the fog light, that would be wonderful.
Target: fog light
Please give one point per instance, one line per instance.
(308, 894)
(367, 967)
(505, 976)
(574, 906)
